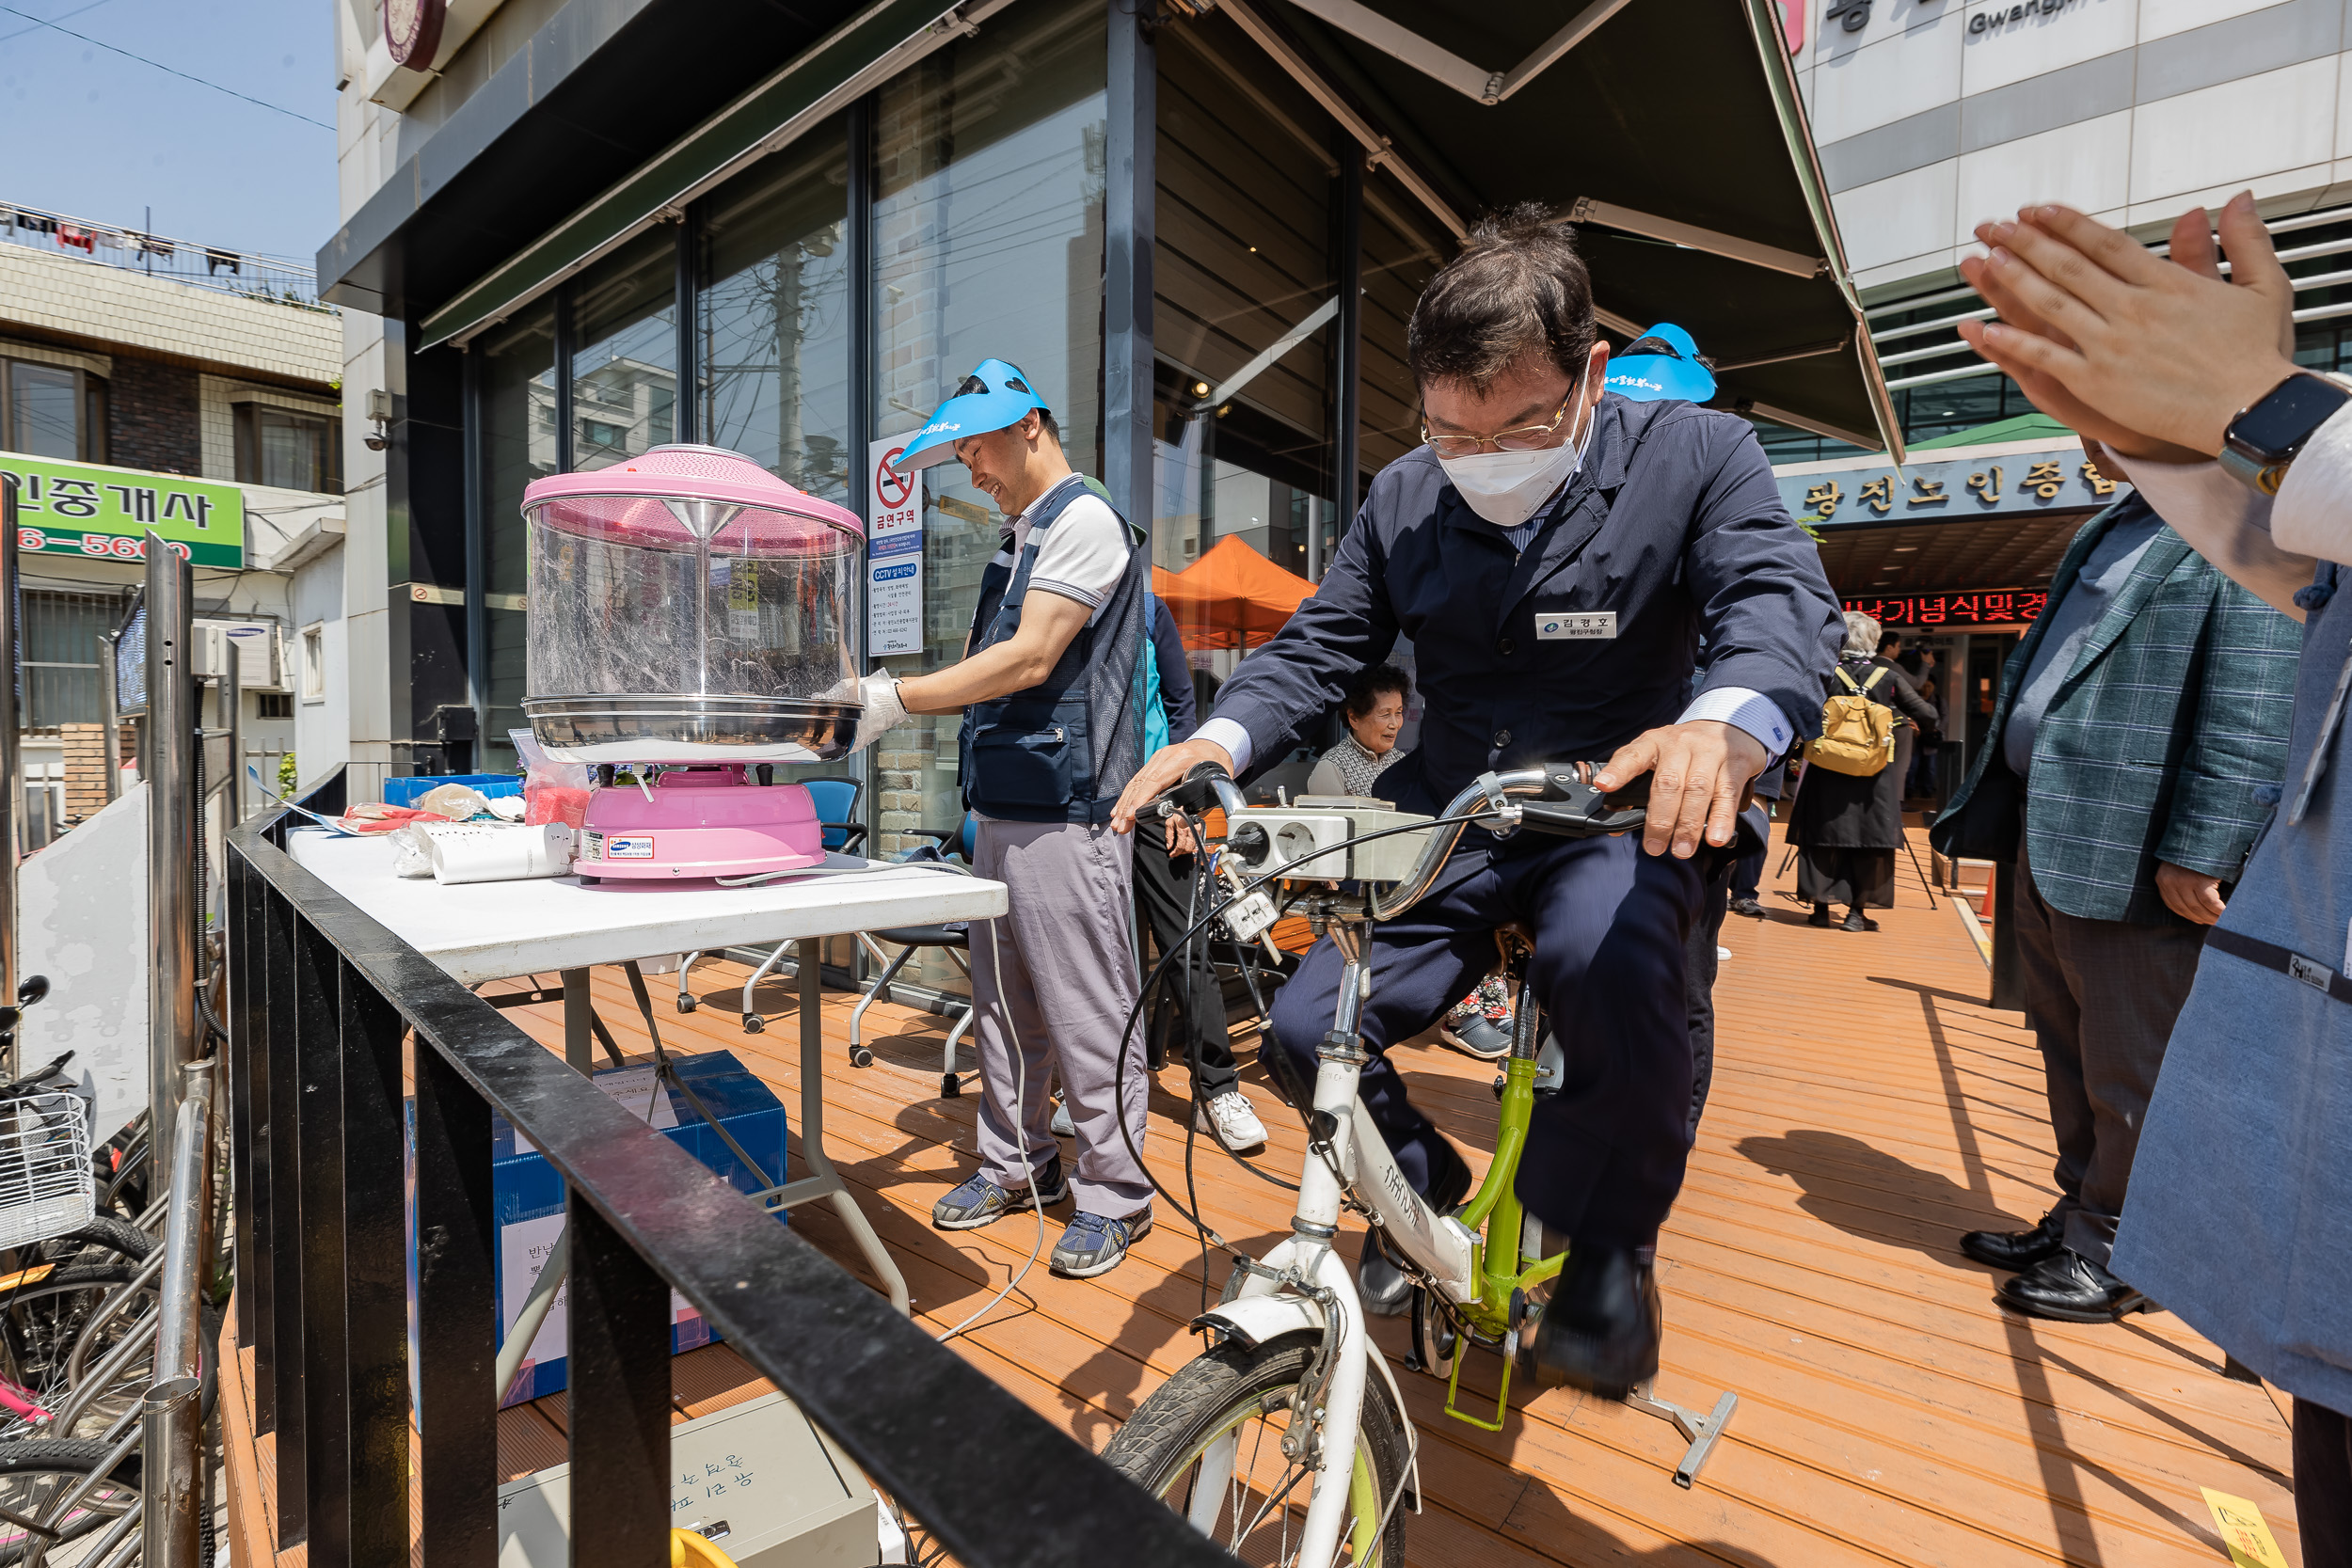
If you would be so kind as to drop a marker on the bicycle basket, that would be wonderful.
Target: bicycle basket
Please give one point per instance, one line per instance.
(45, 1186)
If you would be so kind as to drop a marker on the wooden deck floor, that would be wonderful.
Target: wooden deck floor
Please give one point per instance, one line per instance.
(1868, 1108)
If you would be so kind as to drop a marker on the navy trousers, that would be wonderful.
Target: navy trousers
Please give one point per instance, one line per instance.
(1747, 875)
(1605, 1155)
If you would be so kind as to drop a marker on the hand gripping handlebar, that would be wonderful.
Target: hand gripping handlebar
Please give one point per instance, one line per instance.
(1559, 800)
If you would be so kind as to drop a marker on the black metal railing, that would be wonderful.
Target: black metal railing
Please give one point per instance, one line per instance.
(324, 1001)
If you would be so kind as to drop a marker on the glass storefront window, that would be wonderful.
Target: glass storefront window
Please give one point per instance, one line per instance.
(988, 242)
(42, 402)
(1246, 214)
(624, 354)
(518, 444)
(1402, 249)
(773, 316)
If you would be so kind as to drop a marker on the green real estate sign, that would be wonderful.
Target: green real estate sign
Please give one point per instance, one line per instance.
(82, 509)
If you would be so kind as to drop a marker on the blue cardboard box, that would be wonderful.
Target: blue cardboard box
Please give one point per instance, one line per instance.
(527, 1195)
(407, 792)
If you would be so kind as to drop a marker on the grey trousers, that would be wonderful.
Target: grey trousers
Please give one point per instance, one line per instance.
(2100, 997)
(1064, 951)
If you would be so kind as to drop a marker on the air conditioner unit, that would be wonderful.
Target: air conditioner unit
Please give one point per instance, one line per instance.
(260, 663)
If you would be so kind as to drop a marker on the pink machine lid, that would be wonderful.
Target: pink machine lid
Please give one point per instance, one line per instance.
(664, 497)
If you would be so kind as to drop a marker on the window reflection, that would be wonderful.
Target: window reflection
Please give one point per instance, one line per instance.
(775, 316)
(625, 355)
(519, 445)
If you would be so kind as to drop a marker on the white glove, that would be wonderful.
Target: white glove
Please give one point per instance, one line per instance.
(882, 709)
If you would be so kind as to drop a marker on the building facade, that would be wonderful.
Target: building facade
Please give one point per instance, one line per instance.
(1933, 115)
(150, 383)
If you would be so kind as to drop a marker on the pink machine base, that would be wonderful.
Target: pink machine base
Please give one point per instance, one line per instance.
(696, 823)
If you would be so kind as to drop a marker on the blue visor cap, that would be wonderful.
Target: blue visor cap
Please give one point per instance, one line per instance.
(994, 395)
(1664, 364)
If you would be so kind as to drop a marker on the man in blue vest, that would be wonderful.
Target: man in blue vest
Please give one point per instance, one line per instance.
(1051, 689)
(1555, 552)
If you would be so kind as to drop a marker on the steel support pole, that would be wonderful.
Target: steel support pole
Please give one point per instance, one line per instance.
(1347, 362)
(108, 651)
(11, 763)
(1130, 193)
(171, 1461)
(232, 717)
(171, 837)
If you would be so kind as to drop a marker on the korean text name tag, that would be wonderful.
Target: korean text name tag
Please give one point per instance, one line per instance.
(1575, 624)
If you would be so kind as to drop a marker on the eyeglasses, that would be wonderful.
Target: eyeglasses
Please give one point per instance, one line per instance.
(1528, 437)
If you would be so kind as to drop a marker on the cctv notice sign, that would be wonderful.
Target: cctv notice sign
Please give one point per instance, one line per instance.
(893, 553)
(82, 509)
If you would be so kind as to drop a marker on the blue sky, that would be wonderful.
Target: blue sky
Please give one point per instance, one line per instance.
(94, 135)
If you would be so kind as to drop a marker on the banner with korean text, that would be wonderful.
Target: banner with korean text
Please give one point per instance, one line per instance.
(84, 509)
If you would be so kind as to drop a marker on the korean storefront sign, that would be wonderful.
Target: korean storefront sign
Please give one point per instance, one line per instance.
(1957, 608)
(1865, 495)
(82, 509)
(893, 553)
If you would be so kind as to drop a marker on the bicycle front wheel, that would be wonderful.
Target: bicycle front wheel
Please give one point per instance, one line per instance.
(1209, 1444)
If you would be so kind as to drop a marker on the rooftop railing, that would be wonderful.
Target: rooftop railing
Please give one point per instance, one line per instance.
(231, 272)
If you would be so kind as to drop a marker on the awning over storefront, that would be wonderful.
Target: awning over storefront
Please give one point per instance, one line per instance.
(1232, 597)
(1673, 133)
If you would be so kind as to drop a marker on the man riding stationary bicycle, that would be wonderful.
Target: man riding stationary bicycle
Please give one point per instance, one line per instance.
(1556, 554)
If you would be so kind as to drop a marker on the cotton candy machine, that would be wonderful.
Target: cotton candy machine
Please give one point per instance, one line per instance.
(693, 623)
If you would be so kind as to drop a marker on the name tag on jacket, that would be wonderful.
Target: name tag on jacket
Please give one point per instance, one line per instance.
(1575, 624)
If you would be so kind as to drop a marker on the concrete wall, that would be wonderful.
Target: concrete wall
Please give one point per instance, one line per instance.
(92, 301)
(1939, 114)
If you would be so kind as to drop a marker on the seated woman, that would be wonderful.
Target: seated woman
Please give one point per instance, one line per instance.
(1375, 714)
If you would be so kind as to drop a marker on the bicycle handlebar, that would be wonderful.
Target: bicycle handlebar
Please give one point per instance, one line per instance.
(1560, 800)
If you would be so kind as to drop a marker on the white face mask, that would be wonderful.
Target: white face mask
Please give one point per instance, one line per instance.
(1508, 487)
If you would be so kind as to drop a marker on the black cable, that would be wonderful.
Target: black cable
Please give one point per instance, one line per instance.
(1127, 1035)
(1195, 1025)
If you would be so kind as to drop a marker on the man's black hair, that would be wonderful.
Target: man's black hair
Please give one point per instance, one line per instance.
(1052, 427)
(1364, 692)
(1518, 288)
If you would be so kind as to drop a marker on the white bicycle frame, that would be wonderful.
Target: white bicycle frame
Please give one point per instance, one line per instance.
(1302, 1285)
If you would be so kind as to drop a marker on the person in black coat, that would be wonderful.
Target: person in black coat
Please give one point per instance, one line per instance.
(1846, 826)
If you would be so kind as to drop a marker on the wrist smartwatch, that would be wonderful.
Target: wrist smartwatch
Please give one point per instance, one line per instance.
(2266, 435)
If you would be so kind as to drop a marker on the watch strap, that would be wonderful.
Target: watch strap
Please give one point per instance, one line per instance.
(2261, 478)
(2263, 470)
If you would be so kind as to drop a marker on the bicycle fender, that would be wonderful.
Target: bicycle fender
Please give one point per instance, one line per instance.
(1255, 1318)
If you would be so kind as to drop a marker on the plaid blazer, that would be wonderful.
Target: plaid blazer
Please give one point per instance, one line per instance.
(2166, 742)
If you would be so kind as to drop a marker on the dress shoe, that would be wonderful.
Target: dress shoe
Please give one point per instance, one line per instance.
(2016, 1250)
(1383, 1284)
(2073, 1290)
(1753, 909)
(1818, 917)
(1857, 921)
(1600, 1327)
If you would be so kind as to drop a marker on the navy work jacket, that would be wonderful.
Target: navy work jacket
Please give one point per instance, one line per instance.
(1672, 526)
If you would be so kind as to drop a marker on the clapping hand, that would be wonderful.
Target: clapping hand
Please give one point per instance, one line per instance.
(2150, 358)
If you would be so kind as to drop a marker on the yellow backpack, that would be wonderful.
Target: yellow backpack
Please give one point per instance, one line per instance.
(1857, 735)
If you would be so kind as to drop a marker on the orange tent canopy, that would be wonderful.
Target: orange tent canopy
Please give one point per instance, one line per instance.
(1232, 597)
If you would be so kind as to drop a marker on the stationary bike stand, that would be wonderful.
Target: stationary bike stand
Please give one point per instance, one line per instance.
(1702, 1430)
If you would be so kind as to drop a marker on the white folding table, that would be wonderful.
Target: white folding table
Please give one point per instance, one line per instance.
(493, 930)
